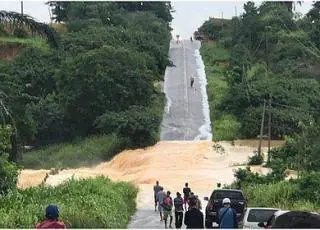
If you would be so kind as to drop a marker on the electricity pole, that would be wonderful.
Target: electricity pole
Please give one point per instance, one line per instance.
(269, 129)
(21, 5)
(261, 128)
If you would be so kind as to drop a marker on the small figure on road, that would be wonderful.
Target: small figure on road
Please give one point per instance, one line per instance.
(186, 194)
(193, 217)
(191, 81)
(160, 197)
(51, 221)
(191, 39)
(156, 189)
(178, 207)
(167, 208)
(227, 217)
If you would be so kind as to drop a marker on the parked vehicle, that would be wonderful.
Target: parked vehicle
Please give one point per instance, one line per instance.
(238, 203)
(297, 219)
(253, 216)
(272, 219)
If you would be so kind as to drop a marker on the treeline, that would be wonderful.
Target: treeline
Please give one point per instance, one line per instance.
(272, 54)
(102, 79)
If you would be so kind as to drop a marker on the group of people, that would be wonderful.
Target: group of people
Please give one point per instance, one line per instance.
(190, 203)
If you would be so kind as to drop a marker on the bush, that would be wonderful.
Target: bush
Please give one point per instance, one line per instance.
(8, 171)
(8, 175)
(256, 159)
(86, 152)
(90, 203)
(20, 33)
(138, 125)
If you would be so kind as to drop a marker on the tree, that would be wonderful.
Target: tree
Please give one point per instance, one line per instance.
(17, 20)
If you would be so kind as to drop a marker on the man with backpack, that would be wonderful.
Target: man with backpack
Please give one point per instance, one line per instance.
(227, 215)
(178, 208)
(167, 209)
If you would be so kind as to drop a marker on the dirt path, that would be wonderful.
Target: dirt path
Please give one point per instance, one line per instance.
(171, 162)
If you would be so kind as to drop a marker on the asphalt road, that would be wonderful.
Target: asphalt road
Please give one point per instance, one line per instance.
(184, 114)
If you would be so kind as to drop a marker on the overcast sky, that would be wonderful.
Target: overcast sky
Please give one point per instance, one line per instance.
(188, 17)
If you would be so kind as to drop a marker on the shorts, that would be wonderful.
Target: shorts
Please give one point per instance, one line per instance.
(166, 214)
(185, 200)
(160, 208)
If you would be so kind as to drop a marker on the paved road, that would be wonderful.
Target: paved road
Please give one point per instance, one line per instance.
(186, 117)
(187, 114)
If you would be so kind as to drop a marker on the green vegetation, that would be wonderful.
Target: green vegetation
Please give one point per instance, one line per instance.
(269, 58)
(91, 203)
(272, 191)
(224, 125)
(86, 152)
(88, 93)
(101, 79)
(30, 42)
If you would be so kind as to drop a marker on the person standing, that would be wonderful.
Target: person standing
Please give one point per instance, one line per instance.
(191, 81)
(156, 189)
(51, 221)
(167, 208)
(160, 197)
(227, 215)
(193, 217)
(178, 208)
(186, 194)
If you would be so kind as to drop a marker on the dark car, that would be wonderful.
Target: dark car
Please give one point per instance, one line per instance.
(238, 203)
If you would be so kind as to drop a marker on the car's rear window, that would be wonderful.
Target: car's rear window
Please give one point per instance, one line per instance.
(260, 215)
(227, 194)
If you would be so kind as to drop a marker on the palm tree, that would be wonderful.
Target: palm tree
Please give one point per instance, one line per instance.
(17, 20)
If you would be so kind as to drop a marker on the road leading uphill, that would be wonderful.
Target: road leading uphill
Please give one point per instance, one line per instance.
(186, 115)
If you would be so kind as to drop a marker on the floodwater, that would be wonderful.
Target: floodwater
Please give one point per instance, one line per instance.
(171, 162)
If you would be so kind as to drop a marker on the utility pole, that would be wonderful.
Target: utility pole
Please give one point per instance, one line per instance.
(262, 126)
(269, 128)
(21, 5)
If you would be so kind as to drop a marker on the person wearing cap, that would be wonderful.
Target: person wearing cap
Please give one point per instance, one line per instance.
(227, 215)
(178, 210)
(193, 217)
(51, 221)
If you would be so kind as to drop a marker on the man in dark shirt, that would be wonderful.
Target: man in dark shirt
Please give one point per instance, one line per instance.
(178, 206)
(193, 217)
(186, 193)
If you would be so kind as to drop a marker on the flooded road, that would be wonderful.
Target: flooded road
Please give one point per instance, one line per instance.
(171, 162)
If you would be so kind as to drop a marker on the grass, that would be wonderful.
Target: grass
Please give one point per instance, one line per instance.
(34, 42)
(90, 203)
(86, 152)
(225, 126)
(278, 195)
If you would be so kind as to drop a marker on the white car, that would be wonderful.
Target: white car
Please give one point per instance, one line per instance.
(252, 216)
